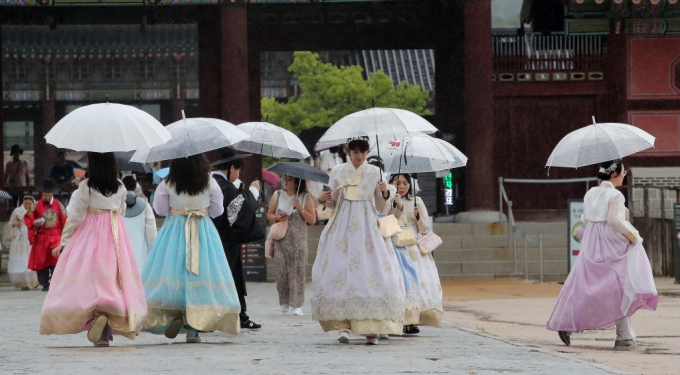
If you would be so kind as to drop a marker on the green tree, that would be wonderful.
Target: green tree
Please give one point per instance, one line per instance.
(330, 93)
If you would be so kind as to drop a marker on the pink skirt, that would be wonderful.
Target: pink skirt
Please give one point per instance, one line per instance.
(86, 282)
(610, 280)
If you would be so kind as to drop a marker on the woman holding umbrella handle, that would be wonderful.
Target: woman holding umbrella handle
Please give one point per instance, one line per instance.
(290, 252)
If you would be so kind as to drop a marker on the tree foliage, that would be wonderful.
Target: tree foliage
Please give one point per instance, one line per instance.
(330, 93)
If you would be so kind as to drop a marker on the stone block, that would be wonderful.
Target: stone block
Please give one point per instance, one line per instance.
(486, 242)
(450, 242)
(487, 267)
(496, 255)
(453, 229)
(493, 229)
(449, 268)
(455, 255)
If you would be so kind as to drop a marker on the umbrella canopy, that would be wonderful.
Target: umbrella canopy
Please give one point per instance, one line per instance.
(270, 178)
(373, 122)
(271, 140)
(191, 136)
(107, 127)
(300, 170)
(124, 163)
(598, 143)
(418, 154)
(5, 196)
(311, 136)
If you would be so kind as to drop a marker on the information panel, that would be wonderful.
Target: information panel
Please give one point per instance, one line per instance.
(575, 212)
(252, 254)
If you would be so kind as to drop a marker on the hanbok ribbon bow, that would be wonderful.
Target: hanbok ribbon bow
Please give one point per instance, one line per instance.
(116, 236)
(191, 235)
(352, 183)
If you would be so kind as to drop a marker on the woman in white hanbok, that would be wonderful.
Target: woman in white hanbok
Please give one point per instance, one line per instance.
(414, 217)
(356, 280)
(17, 267)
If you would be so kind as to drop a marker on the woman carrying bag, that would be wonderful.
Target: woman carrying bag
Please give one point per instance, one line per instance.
(289, 236)
(413, 221)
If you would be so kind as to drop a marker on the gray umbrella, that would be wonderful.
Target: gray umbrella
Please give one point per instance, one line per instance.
(302, 171)
(124, 163)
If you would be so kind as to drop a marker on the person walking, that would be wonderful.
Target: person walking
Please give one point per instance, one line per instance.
(17, 170)
(293, 204)
(186, 278)
(61, 172)
(19, 274)
(47, 220)
(140, 223)
(414, 219)
(96, 285)
(611, 278)
(406, 257)
(238, 225)
(356, 281)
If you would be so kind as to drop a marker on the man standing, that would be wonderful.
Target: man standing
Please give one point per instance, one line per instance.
(48, 221)
(61, 172)
(17, 170)
(238, 225)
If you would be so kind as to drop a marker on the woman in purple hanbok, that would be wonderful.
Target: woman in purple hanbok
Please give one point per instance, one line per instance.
(357, 283)
(611, 278)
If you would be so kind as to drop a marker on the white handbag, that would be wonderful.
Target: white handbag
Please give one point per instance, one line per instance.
(429, 243)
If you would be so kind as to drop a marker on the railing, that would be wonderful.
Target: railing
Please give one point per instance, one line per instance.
(513, 231)
(548, 53)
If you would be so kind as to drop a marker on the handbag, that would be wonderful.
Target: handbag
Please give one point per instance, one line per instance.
(404, 238)
(278, 230)
(428, 243)
(389, 226)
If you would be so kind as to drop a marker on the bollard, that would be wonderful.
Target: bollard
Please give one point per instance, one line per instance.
(526, 259)
(540, 254)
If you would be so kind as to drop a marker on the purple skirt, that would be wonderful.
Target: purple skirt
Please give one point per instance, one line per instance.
(610, 280)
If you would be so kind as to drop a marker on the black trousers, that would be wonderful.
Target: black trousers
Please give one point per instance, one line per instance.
(233, 253)
(44, 276)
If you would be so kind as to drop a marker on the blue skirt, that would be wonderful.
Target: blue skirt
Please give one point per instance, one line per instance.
(207, 301)
(411, 283)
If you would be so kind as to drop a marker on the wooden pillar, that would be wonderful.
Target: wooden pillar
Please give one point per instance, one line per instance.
(209, 62)
(238, 97)
(478, 91)
(176, 111)
(45, 154)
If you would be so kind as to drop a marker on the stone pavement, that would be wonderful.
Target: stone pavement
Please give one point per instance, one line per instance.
(286, 345)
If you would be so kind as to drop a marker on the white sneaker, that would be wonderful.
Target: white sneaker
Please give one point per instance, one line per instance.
(298, 311)
(343, 336)
(383, 336)
(372, 340)
(284, 308)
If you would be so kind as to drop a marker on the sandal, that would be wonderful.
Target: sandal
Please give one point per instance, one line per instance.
(411, 329)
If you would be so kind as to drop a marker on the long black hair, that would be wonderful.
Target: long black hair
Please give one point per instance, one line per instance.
(607, 169)
(190, 175)
(103, 173)
(407, 176)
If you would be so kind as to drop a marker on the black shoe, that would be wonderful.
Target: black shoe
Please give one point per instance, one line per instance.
(249, 324)
(411, 329)
(46, 289)
(564, 336)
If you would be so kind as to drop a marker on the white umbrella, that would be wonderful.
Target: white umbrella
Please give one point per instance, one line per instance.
(598, 143)
(418, 154)
(271, 140)
(107, 127)
(191, 136)
(373, 122)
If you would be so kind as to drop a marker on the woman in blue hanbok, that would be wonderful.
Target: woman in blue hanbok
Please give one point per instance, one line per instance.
(187, 280)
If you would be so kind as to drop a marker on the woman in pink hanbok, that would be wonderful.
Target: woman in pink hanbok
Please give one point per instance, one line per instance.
(96, 285)
(611, 278)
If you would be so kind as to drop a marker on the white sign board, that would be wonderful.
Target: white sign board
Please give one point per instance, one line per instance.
(575, 212)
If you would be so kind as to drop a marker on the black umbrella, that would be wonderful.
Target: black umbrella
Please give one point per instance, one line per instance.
(124, 163)
(311, 136)
(73, 163)
(302, 171)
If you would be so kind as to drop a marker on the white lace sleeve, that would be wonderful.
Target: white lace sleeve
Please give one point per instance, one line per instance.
(234, 208)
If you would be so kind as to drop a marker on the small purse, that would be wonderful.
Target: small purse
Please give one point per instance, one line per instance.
(428, 243)
(404, 238)
(278, 230)
(389, 226)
